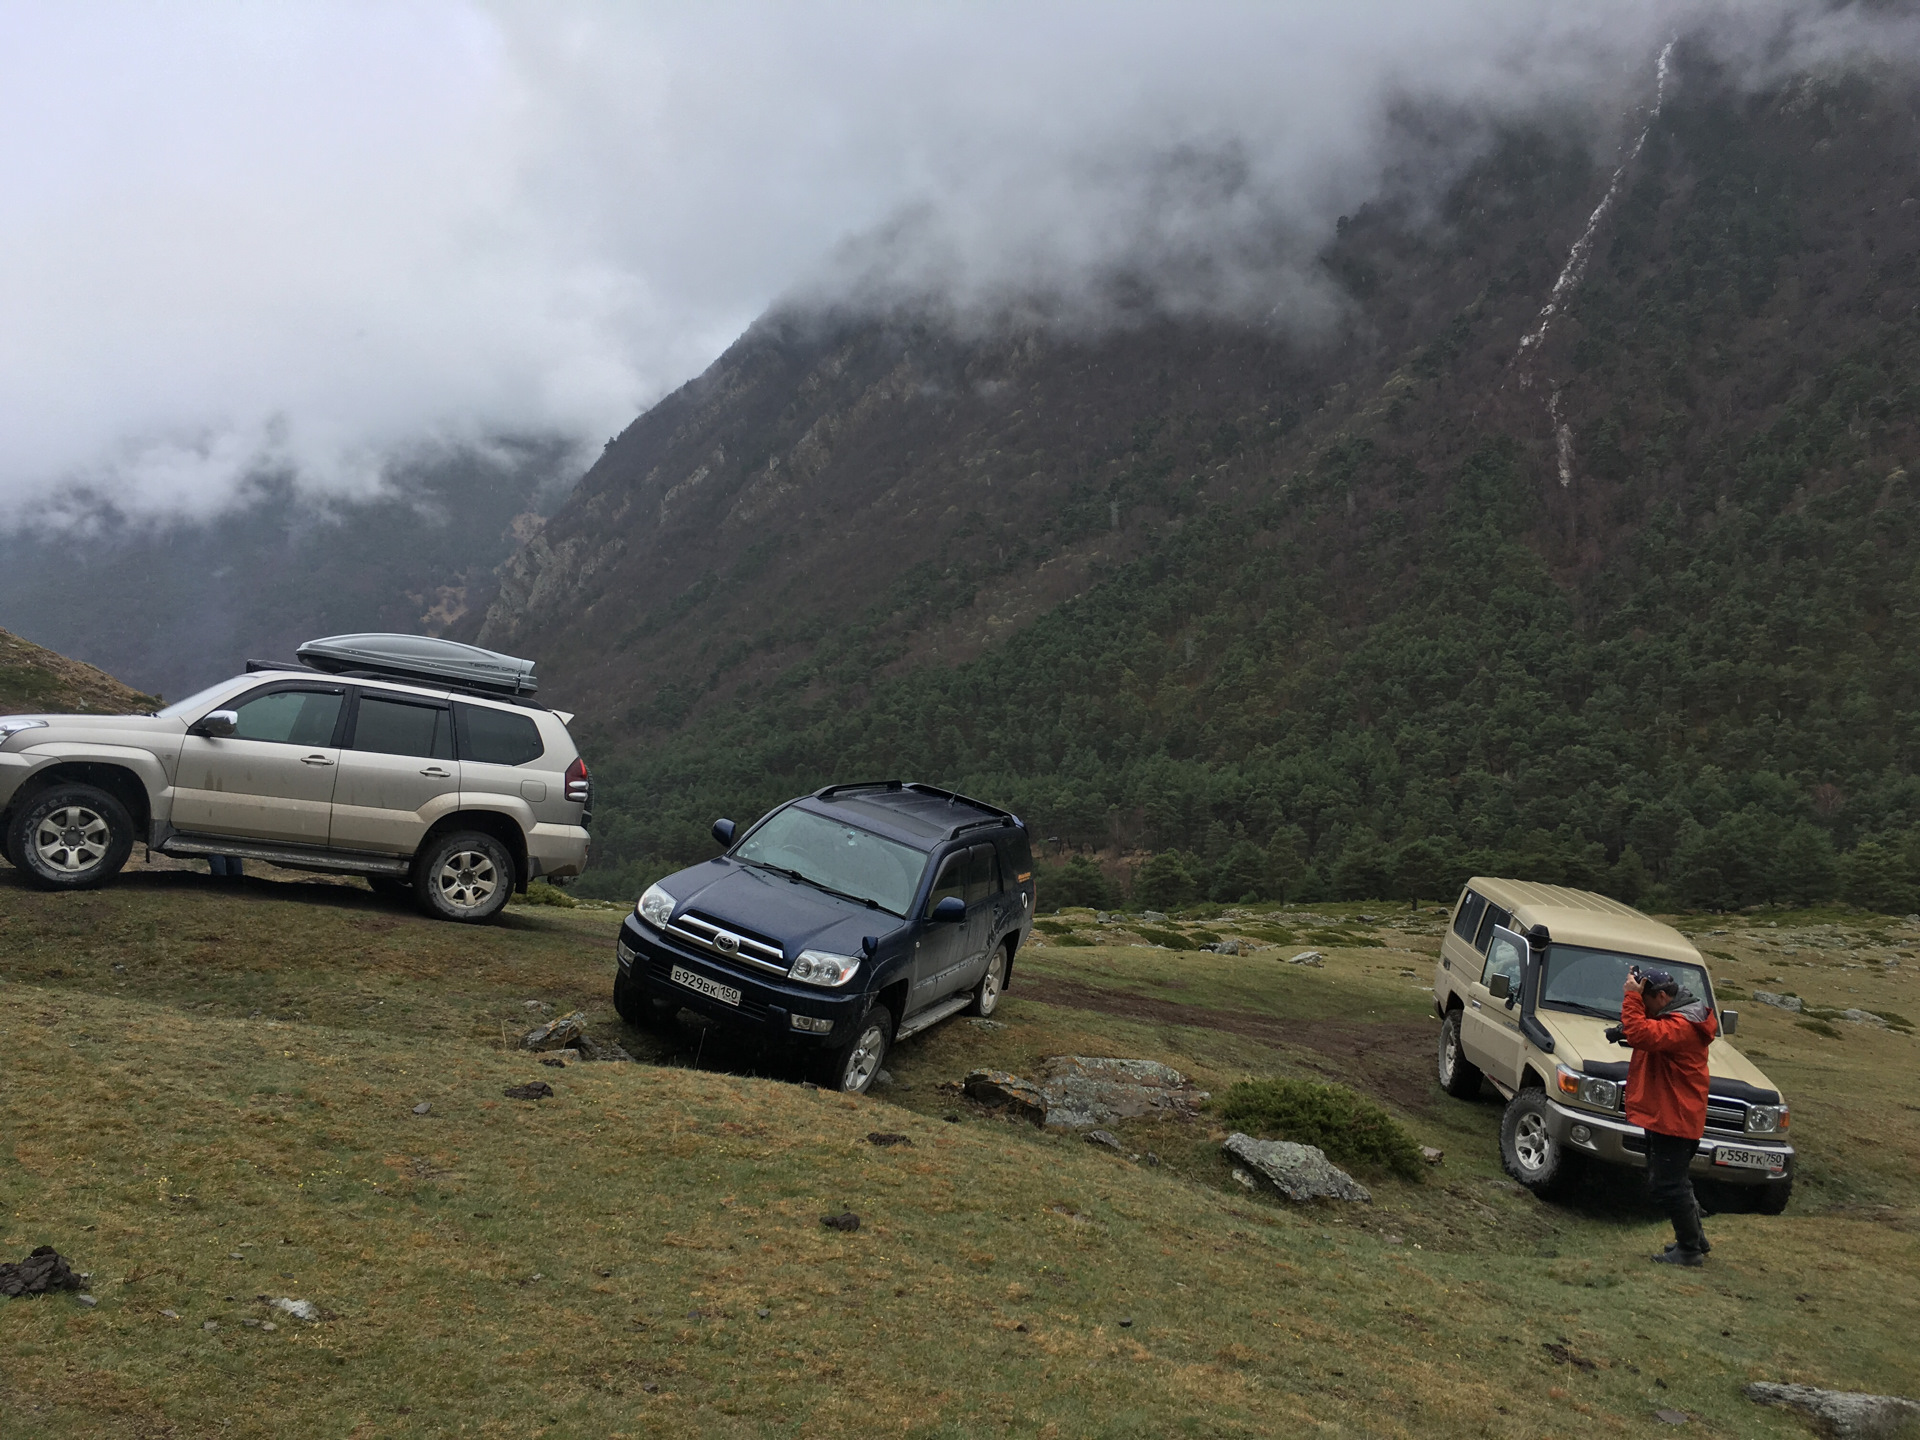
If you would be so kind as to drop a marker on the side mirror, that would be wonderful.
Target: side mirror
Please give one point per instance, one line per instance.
(1729, 1021)
(949, 909)
(1500, 986)
(216, 724)
(723, 831)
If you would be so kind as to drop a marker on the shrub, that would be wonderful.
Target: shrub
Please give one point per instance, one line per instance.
(1164, 882)
(539, 893)
(1350, 1128)
(1078, 882)
(1172, 939)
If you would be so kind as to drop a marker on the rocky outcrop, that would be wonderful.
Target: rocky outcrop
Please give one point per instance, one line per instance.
(1299, 1172)
(1079, 1092)
(1844, 1414)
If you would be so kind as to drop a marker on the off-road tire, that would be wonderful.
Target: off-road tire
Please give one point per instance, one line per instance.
(1459, 1076)
(1772, 1199)
(390, 887)
(465, 877)
(1528, 1151)
(70, 837)
(986, 995)
(850, 1068)
(637, 1008)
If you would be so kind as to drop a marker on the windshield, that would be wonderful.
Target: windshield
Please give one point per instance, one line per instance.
(1589, 982)
(837, 856)
(196, 701)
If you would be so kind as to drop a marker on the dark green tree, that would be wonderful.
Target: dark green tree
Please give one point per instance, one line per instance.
(1164, 882)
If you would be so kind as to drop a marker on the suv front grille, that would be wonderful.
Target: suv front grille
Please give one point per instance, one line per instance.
(1726, 1115)
(660, 967)
(717, 939)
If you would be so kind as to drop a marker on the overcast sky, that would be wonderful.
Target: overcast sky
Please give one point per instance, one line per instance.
(316, 236)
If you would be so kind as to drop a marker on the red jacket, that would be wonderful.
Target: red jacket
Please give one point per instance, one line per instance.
(1667, 1080)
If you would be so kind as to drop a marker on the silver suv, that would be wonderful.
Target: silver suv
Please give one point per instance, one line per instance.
(453, 796)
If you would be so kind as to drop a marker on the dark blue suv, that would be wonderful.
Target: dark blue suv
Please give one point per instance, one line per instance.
(843, 921)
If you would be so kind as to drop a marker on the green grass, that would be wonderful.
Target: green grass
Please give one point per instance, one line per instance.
(1351, 1129)
(199, 1071)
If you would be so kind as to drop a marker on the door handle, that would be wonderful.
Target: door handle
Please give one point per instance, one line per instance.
(1476, 1004)
(434, 772)
(315, 760)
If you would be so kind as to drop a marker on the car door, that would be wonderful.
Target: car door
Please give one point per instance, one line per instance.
(1490, 1033)
(940, 952)
(503, 762)
(984, 899)
(397, 774)
(273, 778)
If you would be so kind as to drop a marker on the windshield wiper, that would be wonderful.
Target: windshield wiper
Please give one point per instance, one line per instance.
(793, 874)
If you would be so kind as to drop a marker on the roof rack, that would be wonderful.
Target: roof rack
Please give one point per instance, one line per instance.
(421, 658)
(833, 790)
(995, 815)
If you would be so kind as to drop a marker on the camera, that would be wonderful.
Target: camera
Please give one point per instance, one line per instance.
(1616, 1034)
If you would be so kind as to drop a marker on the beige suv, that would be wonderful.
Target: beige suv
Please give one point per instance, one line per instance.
(1529, 980)
(454, 797)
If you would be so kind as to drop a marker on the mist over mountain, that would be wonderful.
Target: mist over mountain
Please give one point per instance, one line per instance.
(1348, 610)
(173, 604)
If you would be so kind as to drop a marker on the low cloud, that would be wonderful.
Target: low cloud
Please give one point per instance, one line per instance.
(308, 239)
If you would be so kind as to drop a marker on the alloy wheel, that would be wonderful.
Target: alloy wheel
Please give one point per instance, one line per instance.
(990, 982)
(71, 840)
(467, 879)
(865, 1059)
(1531, 1143)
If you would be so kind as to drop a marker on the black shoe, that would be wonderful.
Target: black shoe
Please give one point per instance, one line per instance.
(1676, 1255)
(1704, 1247)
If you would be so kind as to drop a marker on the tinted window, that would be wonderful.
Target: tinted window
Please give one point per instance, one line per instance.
(983, 873)
(836, 856)
(952, 881)
(1493, 916)
(1019, 858)
(497, 737)
(1504, 958)
(393, 727)
(1467, 920)
(289, 717)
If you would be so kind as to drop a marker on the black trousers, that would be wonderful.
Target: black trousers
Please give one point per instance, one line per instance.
(1671, 1188)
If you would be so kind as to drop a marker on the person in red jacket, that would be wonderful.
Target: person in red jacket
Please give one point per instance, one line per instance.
(1667, 1097)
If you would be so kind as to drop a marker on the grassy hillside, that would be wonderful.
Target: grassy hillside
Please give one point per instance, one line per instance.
(1323, 622)
(214, 1100)
(34, 679)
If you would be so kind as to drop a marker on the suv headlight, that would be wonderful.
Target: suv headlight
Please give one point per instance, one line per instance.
(823, 967)
(12, 727)
(1766, 1119)
(655, 907)
(1588, 1089)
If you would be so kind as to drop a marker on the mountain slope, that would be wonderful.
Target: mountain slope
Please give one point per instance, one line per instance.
(36, 680)
(1321, 613)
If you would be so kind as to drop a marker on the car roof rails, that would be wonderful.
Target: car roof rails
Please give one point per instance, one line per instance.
(833, 790)
(995, 816)
(429, 682)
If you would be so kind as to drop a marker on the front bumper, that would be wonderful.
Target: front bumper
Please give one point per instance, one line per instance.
(766, 1006)
(1618, 1142)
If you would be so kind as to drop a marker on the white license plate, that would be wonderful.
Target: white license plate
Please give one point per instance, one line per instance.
(725, 994)
(1747, 1159)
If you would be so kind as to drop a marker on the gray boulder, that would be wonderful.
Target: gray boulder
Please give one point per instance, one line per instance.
(1846, 1414)
(1308, 957)
(1865, 1017)
(561, 1034)
(1153, 917)
(997, 1087)
(1299, 1172)
(1080, 1091)
(1784, 1002)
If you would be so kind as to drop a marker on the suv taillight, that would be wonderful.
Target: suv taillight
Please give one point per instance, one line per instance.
(579, 790)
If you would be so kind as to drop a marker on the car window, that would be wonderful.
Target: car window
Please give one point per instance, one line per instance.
(1467, 920)
(289, 717)
(952, 880)
(983, 874)
(1504, 958)
(1591, 981)
(194, 703)
(1492, 916)
(395, 727)
(836, 856)
(497, 737)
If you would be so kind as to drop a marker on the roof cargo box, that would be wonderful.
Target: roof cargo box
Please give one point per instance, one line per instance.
(420, 657)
